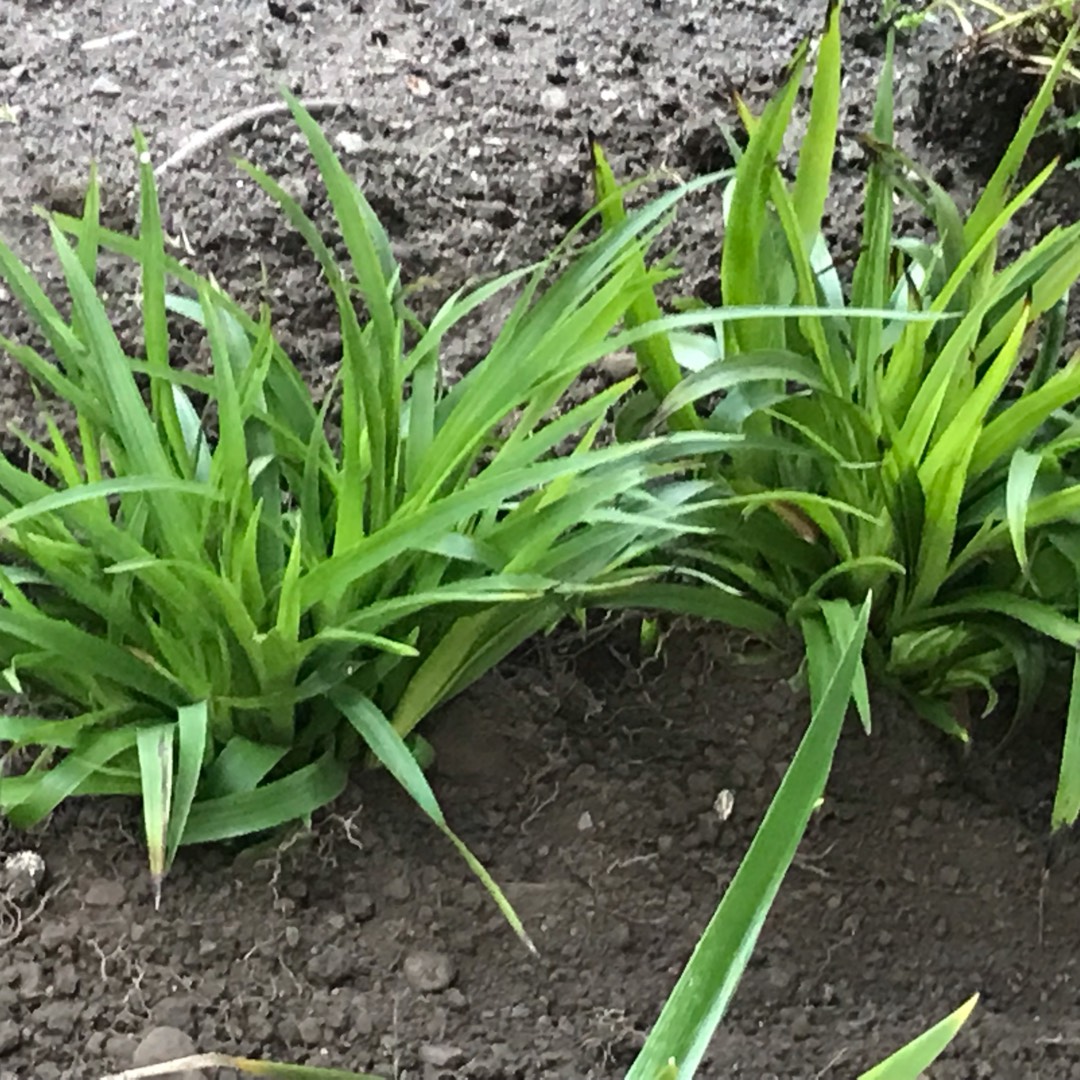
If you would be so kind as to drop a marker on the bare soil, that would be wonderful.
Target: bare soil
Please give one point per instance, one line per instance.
(588, 782)
(586, 779)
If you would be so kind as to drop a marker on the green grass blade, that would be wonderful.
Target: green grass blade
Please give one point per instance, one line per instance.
(691, 1014)
(1048, 359)
(88, 248)
(424, 386)
(656, 361)
(716, 604)
(127, 411)
(472, 645)
(364, 416)
(196, 446)
(193, 733)
(156, 772)
(841, 619)
(1038, 279)
(69, 349)
(816, 154)
(242, 765)
(354, 216)
(291, 798)
(98, 491)
(138, 448)
(912, 1061)
(742, 274)
(49, 789)
(229, 464)
(944, 472)
(62, 461)
(1016, 425)
(408, 531)
(371, 364)
(764, 366)
(48, 374)
(1066, 807)
(1039, 616)
(1023, 469)
(155, 322)
(97, 657)
(871, 275)
(288, 611)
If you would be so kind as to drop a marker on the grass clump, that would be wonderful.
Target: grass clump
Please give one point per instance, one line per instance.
(914, 426)
(226, 616)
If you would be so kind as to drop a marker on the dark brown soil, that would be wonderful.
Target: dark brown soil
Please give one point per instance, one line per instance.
(586, 782)
(588, 786)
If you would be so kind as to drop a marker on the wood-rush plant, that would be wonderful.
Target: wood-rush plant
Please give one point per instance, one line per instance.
(223, 615)
(919, 460)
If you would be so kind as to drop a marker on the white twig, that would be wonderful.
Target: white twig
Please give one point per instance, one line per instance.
(223, 129)
(207, 1061)
(121, 36)
(170, 1068)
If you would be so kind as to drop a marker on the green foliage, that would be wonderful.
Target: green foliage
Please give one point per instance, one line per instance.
(910, 457)
(226, 596)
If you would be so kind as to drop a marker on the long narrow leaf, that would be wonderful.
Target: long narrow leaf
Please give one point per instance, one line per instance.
(681, 1035)
(912, 1061)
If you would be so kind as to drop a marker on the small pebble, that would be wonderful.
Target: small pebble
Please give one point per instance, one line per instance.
(359, 906)
(296, 189)
(120, 1048)
(102, 893)
(163, 1044)
(22, 876)
(10, 1036)
(103, 86)
(174, 1011)
(555, 100)
(429, 972)
(442, 1055)
(311, 1032)
(53, 935)
(800, 1027)
(334, 965)
(59, 1017)
(66, 981)
(351, 142)
(949, 876)
(398, 888)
